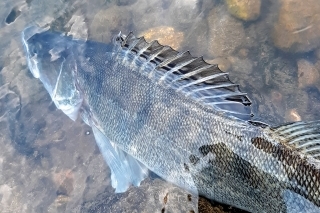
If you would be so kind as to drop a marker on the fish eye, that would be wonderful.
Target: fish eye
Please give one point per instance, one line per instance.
(36, 48)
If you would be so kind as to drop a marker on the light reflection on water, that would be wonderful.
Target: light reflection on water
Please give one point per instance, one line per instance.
(48, 163)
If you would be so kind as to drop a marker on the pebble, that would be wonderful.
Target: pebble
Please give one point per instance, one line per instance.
(105, 22)
(226, 33)
(298, 26)
(247, 10)
(244, 66)
(223, 63)
(308, 74)
(166, 35)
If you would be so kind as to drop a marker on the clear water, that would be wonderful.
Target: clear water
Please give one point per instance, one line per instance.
(50, 164)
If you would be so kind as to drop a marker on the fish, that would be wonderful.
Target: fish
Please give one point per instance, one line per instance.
(152, 108)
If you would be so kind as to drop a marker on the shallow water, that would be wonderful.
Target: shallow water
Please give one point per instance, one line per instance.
(50, 164)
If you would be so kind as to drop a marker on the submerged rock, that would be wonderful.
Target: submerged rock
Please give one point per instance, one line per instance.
(298, 26)
(308, 74)
(107, 22)
(226, 34)
(247, 10)
(165, 35)
(183, 12)
(244, 66)
(223, 63)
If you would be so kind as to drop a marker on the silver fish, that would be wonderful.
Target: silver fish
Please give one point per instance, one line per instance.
(153, 108)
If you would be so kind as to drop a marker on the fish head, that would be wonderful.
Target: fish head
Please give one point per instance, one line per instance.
(50, 58)
(44, 51)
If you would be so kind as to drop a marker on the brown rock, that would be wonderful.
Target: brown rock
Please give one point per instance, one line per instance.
(223, 63)
(226, 34)
(298, 26)
(165, 35)
(308, 74)
(239, 65)
(107, 21)
(247, 10)
(183, 12)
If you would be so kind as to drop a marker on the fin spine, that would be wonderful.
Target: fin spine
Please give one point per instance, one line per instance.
(191, 76)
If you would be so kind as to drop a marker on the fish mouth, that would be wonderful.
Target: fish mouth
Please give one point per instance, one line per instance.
(31, 56)
(34, 65)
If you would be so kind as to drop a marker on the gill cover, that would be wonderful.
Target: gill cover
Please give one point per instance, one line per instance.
(65, 94)
(50, 58)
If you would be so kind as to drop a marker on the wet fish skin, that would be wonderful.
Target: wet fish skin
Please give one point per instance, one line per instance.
(235, 161)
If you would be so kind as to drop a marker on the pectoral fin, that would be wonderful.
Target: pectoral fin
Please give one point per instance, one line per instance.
(125, 170)
(138, 171)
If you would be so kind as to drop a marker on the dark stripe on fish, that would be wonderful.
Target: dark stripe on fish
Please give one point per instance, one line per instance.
(300, 172)
(250, 187)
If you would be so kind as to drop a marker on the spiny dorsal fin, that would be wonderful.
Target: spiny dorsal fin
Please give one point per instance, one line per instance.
(302, 136)
(192, 76)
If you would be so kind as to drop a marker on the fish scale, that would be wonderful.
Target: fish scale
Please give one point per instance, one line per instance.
(152, 108)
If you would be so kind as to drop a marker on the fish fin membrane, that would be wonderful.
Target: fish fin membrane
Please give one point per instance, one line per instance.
(125, 170)
(258, 124)
(137, 171)
(192, 76)
(303, 136)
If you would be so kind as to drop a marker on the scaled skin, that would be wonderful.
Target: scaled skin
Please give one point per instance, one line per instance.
(182, 140)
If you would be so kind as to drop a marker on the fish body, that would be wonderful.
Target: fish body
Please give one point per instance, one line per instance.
(152, 108)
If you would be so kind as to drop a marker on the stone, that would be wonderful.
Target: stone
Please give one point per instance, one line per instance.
(308, 74)
(223, 63)
(247, 10)
(148, 15)
(298, 26)
(183, 12)
(165, 35)
(226, 33)
(244, 66)
(108, 22)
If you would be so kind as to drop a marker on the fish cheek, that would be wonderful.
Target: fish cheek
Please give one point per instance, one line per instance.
(65, 95)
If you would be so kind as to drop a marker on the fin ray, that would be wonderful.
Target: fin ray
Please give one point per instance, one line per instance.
(189, 75)
(303, 136)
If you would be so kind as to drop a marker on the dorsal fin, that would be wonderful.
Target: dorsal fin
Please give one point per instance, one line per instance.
(302, 136)
(192, 76)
